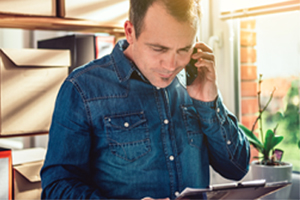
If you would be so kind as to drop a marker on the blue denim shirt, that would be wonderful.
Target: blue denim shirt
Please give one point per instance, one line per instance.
(114, 135)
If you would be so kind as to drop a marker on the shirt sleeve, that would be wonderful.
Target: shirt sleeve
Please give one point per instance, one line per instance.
(228, 146)
(65, 173)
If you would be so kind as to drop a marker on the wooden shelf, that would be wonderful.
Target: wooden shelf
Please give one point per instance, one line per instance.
(31, 22)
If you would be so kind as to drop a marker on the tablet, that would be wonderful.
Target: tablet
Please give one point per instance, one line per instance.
(236, 190)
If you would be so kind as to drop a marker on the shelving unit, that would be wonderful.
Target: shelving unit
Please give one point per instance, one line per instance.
(30, 22)
(48, 23)
(34, 22)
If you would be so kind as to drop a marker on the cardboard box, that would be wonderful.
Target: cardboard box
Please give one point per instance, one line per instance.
(84, 48)
(27, 165)
(81, 47)
(27, 181)
(108, 12)
(5, 174)
(29, 82)
(29, 7)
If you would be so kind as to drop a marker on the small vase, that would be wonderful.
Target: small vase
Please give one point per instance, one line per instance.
(273, 174)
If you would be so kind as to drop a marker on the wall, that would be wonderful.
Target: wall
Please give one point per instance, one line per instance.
(248, 75)
(14, 38)
(223, 54)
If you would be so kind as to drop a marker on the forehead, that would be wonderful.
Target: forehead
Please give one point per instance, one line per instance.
(163, 28)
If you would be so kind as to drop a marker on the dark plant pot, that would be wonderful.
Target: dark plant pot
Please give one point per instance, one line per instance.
(272, 174)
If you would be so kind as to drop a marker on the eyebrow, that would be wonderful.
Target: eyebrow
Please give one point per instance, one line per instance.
(186, 48)
(166, 48)
(157, 46)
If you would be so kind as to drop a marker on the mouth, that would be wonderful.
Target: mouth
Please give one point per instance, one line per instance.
(165, 75)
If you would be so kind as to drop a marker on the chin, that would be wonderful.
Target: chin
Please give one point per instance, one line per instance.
(162, 84)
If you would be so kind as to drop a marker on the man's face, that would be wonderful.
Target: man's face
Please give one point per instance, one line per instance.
(163, 48)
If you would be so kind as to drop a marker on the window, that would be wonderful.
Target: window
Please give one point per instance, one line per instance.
(264, 38)
(270, 46)
(278, 60)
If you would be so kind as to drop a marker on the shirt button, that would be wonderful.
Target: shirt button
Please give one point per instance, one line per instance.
(218, 110)
(157, 88)
(228, 142)
(166, 121)
(126, 124)
(177, 193)
(171, 158)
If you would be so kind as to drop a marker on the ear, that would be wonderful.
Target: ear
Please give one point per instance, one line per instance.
(129, 32)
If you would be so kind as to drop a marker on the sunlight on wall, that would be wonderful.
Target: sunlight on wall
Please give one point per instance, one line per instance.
(103, 10)
(231, 5)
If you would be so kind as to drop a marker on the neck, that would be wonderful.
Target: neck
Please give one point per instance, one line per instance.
(128, 53)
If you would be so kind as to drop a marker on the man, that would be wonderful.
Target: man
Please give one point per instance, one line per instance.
(126, 126)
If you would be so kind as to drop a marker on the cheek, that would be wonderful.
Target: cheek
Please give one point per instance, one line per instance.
(184, 60)
(148, 62)
(154, 60)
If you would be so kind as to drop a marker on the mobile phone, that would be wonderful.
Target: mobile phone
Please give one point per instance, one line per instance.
(190, 70)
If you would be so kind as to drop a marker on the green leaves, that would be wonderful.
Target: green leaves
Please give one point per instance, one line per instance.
(271, 140)
(268, 140)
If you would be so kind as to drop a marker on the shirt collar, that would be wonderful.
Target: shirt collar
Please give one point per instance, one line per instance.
(123, 66)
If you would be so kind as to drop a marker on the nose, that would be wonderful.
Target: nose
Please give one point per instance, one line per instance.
(170, 61)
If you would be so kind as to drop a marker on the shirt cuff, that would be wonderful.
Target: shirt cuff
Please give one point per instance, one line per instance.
(211, 111)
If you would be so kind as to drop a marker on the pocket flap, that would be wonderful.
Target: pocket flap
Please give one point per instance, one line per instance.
(126, 121)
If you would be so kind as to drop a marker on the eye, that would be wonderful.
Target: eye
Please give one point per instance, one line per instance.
(183, 51)
(159, 49)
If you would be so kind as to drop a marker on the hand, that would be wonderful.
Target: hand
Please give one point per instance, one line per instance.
(149, 198)
(204, 87)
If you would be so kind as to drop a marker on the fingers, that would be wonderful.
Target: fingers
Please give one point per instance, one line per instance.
(206, 70)
(203, 47)
(204, 55)
(204, 52)
(205, 62)
(204, 87)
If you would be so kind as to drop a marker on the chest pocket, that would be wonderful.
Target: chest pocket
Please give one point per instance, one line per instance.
(128, 135)
(192, 125)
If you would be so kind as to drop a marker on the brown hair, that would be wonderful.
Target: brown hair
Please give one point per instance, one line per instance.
(182, 10)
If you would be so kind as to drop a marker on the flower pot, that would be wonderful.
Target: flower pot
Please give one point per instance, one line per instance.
(273, 174)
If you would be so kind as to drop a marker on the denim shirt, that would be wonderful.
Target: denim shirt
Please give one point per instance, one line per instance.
(114, 135)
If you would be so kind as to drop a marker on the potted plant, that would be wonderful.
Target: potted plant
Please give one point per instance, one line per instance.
(268, 164)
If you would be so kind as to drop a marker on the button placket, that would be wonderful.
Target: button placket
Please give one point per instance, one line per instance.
(220, 115)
